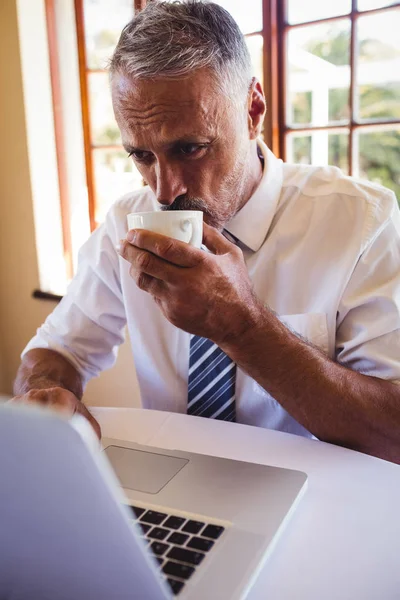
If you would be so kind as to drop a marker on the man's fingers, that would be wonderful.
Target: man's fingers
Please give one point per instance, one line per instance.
(215, 241)
(81, 409)
(146, 263)
(178, 253)
(58, 399)
(147, 283)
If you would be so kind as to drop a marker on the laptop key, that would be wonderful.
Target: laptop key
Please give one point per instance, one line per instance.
(193, 527)
(213, 531)
(199, 543)
(151, 516)
(137, 511)
(174, 522)
(178, 570)
(178, 538)
(176, 586)
(158, 533)
(187, 556)
(159, 548)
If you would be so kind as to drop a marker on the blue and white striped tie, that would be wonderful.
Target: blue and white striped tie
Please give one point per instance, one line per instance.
(212, 378)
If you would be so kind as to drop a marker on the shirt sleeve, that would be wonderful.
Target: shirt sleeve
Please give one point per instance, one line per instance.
(88, 324)
(368, 320)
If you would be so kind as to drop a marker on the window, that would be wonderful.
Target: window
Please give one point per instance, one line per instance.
(341, 87)
(110, 173)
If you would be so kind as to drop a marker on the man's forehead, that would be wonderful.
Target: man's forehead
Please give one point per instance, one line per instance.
(143, 99)
(170, 109)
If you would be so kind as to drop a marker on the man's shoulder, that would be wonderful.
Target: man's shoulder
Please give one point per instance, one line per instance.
(321, 181)
(330, 187)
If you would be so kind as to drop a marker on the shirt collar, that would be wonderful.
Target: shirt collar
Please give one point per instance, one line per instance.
(252, 222)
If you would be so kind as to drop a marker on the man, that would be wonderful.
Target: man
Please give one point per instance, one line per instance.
(298, 296)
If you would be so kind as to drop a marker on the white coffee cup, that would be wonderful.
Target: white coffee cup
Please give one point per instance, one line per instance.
(183, 225)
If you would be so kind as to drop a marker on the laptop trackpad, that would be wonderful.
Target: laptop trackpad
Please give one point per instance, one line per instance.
(143, 471)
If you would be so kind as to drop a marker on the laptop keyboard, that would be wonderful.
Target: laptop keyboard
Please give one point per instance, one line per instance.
(179, 544)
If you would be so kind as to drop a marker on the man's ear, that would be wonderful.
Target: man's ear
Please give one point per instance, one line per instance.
(256, 109)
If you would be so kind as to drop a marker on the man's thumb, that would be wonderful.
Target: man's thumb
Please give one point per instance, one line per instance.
(214, 240)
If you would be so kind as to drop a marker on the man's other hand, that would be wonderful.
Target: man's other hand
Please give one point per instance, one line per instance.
(60, 400)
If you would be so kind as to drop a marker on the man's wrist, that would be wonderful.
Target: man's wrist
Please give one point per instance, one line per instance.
(43, 369)
(251, 317)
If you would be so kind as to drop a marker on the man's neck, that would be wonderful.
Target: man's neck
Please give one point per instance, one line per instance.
(255, 174)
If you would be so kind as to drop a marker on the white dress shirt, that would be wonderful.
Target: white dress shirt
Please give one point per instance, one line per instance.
(322, 251)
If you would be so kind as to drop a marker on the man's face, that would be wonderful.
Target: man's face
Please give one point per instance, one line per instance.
(190, 143)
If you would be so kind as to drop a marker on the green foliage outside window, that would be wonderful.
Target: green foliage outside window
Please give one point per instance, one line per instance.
(379, 151)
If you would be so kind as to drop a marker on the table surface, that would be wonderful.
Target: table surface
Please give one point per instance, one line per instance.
(342, 542)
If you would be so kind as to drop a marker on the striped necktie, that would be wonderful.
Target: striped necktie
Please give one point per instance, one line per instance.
(212, 378)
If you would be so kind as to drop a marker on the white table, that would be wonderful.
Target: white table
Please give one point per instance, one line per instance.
(342, 543)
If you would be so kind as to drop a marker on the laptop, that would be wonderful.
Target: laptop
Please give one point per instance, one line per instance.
(130, 521)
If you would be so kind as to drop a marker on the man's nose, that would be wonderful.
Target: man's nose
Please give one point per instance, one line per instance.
(170, 184)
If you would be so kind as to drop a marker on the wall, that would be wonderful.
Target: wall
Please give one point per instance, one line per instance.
(20, 314)
(2, 382)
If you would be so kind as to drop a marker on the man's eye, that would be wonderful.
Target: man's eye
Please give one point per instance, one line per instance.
(189, 149)
(139, 155)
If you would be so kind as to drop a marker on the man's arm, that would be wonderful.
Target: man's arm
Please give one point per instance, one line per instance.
(43, 369)
(45, 377)
(336, 404)
(210, 294)
(79, 338)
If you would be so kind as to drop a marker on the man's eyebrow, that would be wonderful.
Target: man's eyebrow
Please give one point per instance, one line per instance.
(130, 149)
(189, 139)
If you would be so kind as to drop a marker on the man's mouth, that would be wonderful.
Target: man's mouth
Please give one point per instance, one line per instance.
(185, 203)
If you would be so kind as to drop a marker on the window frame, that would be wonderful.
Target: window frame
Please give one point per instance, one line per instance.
(59, 137)
(354, 124)
(84, 70)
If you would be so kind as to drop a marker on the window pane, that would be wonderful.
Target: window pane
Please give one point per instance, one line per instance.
(247, 14)
(338, 151)
(319, 148)
(371, 4)
(311, 10)
(115, 175)
(103, 25)
(104, 129)
(379, 65)
(319, 74)
(379, 157)
(298, 149)
(255, 46)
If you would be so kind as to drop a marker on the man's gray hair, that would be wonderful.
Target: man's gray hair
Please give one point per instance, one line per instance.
(172, 39)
